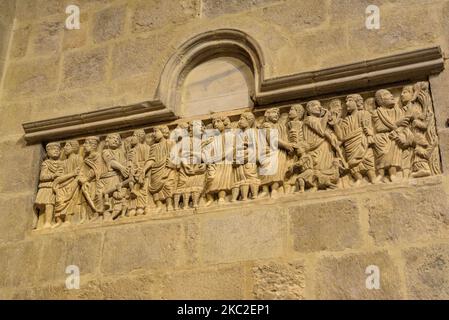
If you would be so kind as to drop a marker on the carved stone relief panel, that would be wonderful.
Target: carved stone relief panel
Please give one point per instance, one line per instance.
(385, 136)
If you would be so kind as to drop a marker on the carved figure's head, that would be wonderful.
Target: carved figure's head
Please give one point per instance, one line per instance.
(91, 144)
(385, 99)
(314, 108)
(140, 135)
(296, 112)
(53, 150)
(272, 115)
(335, 106)
(71, 146)
(113, 140)
(218, 123)
(247, 120)
(407, 94)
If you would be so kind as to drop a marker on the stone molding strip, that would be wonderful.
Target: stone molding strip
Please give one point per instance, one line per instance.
(96, 122)
(408, 66)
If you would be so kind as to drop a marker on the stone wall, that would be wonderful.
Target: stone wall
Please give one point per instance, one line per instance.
(315, 246)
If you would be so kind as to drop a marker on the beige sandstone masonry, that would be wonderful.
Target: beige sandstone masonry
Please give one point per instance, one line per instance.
(87, 177)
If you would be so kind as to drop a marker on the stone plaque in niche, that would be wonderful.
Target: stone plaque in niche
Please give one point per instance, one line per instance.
(379, 137)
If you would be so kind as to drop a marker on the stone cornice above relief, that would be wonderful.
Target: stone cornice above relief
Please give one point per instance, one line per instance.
(409, 66)
(97, 122)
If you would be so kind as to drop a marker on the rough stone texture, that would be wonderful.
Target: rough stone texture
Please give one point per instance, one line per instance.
(108, 24)
(76, 38)
(14, 179)
(58, 252)
(443, 136)
(440, 85)
(213, 8)
(31, 78)
(17, 217)
(405, 217)
(46, 37)
(331, 225)
(243, 235)
(83, 68)
(131, 57)
(18, 263)
(152, 15)
(222, 283)
(344, 277)
(277, 280)
(427, 272)
(152, 247)
(20, 41)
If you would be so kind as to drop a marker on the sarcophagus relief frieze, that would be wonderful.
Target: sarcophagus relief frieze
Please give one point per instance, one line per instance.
(383, 136)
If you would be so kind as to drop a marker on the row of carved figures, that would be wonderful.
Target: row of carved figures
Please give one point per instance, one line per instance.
(383, 138)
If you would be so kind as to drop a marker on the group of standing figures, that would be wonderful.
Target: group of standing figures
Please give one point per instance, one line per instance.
(380, 139)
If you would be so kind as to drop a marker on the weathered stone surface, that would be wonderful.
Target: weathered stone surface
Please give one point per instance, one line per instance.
(16, 178)
(345, 278)
(31, 78)
(213, 8)
(7, 9)
(46, 37)
(243, 235)
(427, 272)
(279, 280)
(152, 246)
(408, 216)
(318, 42)
(76, 38)
(156, 14)
(140, 56)
(4, 34)
(109, 24)
(397, 33)
(296, 16)
(83, 68)
(19, 44)
(223, 283)
(331, 225)
(19, 262)
(94, 97)
(440, 85)
(443, 136)
(146, 286)
(88, 290)
(16, 216)
(61, 251)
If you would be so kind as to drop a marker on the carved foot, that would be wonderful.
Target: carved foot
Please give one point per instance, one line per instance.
(420, 174)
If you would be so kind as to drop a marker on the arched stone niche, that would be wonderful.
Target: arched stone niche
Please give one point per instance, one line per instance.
(220, 84)
(215, 71)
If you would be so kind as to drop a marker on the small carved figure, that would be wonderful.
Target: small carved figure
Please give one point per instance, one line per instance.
(51, 169)
(219, 153)
(160, 170)
(141, 156)
(245, 169)
(355, 131)
(296, 137)
(117, 170)
(89, 179)
(66, 187)
(191, 175)
(321, 143)
(389, 121)
(274, 181)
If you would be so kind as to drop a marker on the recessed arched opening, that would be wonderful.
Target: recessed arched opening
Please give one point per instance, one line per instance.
(220, 84)
(216, 71)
